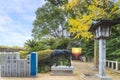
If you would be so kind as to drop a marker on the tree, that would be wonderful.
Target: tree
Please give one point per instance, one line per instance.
(50, 22)
(87, 49)
(113, 44)
(31, 45)
(58, 2)
(83, 12)
(61, 43)
(88, 11)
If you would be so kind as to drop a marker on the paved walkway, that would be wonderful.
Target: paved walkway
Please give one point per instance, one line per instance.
(81, 68)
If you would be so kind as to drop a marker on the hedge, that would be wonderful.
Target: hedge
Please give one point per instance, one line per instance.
(44, 61)
(23, 54)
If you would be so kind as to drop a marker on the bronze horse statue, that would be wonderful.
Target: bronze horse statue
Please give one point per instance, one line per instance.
(54, 57)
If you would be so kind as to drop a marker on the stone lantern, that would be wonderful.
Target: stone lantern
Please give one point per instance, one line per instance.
(102, 30)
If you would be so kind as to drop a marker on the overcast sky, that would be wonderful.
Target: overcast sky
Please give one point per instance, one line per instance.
(16, 19)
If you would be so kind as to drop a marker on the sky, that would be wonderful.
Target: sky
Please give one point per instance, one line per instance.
(16, 21)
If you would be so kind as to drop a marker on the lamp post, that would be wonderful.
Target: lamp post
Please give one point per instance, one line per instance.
(102, 31)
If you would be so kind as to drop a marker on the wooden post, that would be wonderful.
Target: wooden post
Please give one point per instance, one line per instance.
(95, 54)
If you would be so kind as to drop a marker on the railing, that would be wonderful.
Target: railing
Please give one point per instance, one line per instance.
(115, 65)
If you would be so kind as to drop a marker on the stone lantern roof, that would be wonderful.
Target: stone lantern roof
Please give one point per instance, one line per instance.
(103, 23)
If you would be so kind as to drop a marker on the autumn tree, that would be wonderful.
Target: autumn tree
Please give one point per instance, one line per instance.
(83, 12)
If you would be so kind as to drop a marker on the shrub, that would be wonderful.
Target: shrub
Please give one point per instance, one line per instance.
(44, 61)
(63, 61)
(23, 54)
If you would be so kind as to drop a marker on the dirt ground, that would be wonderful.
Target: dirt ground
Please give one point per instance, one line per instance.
(80, 68)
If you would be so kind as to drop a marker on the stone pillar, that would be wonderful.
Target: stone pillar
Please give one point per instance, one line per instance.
(102, 57)
(102, 60)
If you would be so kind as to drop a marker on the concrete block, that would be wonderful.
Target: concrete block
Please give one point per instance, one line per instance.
(104, 78)
(62, 70)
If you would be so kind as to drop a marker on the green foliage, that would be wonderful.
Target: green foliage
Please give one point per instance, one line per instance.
(44, 61)
(61, 43)
(62, 61)
(31, 45)
(58, 2)
(88, 49)
(44, 54)
(46, 43)
(12, 47)
(50, 22)
(113, 45)
(23, 54)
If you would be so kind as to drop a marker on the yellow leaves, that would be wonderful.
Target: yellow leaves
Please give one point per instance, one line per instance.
(91, 7)
(95, 2)
(86, 19)
(85, 12)
(79, 28)
(71, 4)
(84, 35)
(97, 12)
(115, 10)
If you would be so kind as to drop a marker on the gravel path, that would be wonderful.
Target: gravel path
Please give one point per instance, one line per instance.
(80, 68)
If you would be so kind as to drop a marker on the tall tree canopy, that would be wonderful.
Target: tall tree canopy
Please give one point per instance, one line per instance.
(50, 21)
(83, 12)
(58, 2)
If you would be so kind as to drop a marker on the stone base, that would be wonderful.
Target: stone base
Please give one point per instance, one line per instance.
(104, 77)
(62, 70)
